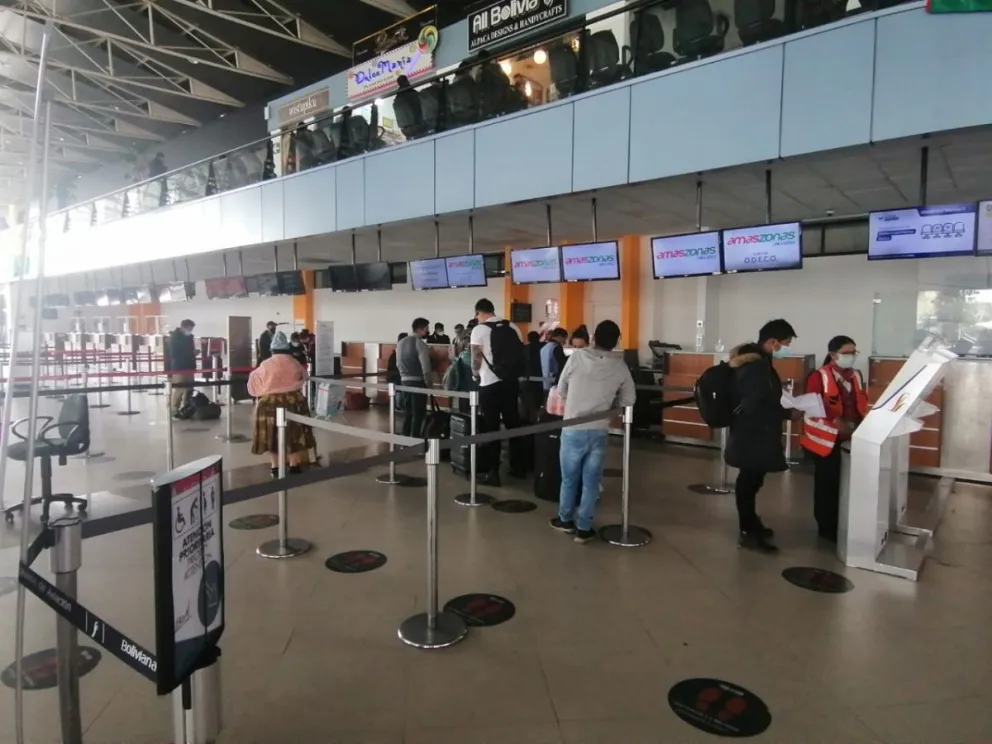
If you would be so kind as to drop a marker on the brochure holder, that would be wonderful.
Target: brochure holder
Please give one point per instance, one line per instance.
(876, 532)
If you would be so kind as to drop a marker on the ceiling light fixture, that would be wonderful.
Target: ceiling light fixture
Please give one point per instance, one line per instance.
(540, 57)
(505, 66)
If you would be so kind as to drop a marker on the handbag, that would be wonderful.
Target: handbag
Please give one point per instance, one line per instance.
(555, 405)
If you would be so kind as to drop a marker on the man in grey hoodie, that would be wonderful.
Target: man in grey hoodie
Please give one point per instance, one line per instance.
(594, 380)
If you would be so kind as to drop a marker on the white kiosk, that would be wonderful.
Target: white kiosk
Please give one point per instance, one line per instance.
(876, 531)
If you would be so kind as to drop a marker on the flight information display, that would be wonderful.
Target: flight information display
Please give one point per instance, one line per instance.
(431, 273)
(695, 254)
(466, 271)
(535, 265)
(763, 248)
(985, 227)
(922, 232)
(590, 262)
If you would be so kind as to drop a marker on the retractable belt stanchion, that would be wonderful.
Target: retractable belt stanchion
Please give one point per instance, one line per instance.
(284, 546)
(392, 478)
(789, 459)
(170, 454)
(66, 558)
(99, 383)
(625, 534)
(89, 454)
(432, 629)
(130, 411)
(196, 706)
(216, 377)
(229, 435)
(723, 486)
(473, 498)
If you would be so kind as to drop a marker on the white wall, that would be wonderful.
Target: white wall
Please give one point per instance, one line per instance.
(211, 316)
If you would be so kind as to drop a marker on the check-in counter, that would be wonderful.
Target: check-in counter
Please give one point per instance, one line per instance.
(956, 440)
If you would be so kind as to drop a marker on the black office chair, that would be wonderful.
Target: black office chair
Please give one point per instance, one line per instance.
(432, 105)
(564, 64)
(68, 436)
(409, 113)
(647, 37)
(603, 55)
(462, 99)
(755, 21)
(699, 33)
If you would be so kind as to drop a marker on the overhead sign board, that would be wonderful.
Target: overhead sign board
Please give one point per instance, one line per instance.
(508, 19)
(377, 76)
(303, 107)
(188, 531)
(399, 34)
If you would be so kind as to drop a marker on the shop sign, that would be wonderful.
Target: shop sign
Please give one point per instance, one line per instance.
(393, 37)
(507, 19)
(415, 59)
(303, 107)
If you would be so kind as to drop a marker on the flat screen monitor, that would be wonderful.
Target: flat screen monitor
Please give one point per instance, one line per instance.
(466, 271)
(984, 230)
(130, 295)
(291, 283)
(267, 285)
(102, 299)
(176, 292)
(115, 297)
(84, 298)
(56, 299)
(226, 287)
(763, 248)
(373, 277)
(695, 254)
(431, 273)
(535, 265)
(342, 278)
(590, 262)
(922, 232)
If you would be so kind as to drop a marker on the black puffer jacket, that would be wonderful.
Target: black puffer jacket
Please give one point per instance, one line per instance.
(755, 440)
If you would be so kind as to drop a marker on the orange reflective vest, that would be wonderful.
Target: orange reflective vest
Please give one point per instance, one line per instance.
(820, 434)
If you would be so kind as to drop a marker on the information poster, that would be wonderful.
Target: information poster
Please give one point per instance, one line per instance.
(695, 254)
(535, 266)
(466, 271)
(431, 273)
(590, 262)
(189, 568)
(985, 227)
(324, 348)
(920, 232)
(763, 248)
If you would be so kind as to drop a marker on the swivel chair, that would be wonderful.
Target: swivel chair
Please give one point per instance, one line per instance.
(755, 21)
(68, 436)
(699, 33)
(647, 37)
(409, 113)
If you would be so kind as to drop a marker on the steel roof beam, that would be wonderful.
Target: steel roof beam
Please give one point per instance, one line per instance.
(399, 8)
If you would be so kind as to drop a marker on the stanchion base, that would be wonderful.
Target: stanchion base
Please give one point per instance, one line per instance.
(128, 413)
(156, 392)
(447, 631)
(398, 480)
(635, 537)
(99, 405)
(708, 488)
(273, 549)
(233, 438)
(89, 456)
(481, 499)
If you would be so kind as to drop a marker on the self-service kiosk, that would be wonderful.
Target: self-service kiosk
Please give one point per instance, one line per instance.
(877, 531)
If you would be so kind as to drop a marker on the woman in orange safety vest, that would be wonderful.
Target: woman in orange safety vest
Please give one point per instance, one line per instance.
(845, 403)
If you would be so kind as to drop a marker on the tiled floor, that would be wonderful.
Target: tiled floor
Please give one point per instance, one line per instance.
(600, 634)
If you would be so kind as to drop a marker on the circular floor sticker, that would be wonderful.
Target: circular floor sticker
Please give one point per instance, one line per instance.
(481, 610)
(40, 669)
(817, 580)
(514, 506)
(412, 481)
(719, 708)
(254, 522)
(356, 561)
(7, 585)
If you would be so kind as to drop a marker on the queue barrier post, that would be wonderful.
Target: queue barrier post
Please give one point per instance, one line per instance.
(789, 459)
(432, 629)
(626, 535)
(196, 707)
(392, 478)
(89, 454)
(217, 376)
(170, 457)
(473, 498)
(130, 411)
(284, 546)
(99, 384)
(723, 485)
(66, 557)
(229, 435)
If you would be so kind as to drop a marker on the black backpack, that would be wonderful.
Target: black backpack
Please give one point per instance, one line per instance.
(715, 395)
(509, 360)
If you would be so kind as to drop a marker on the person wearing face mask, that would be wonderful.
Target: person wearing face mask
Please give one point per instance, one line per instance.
(754, 444)
(846, 404)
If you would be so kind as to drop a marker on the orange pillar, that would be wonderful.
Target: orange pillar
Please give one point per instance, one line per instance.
(514, 293)
(303, 304)
(630, 291)
(571, 305)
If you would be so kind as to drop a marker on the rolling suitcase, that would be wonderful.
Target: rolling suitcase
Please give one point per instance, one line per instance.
(461, 427)
(547, 463)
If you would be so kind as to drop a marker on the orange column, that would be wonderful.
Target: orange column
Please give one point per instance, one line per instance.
(571, 305)
(303, 304)
(514, 293)
(630, 291)
(139, 313)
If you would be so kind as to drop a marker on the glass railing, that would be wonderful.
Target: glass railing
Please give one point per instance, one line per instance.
(620, 44)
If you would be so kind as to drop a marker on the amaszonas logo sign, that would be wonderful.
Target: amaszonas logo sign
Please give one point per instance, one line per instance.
(706, 252)
(535, 263)
(465, 263)
(603, 258)
(786, 236)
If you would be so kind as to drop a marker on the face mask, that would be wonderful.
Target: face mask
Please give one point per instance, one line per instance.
(845, 361)
(781, 352)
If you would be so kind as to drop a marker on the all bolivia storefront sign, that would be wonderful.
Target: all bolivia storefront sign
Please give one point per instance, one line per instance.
(378, 75)
(509, 18)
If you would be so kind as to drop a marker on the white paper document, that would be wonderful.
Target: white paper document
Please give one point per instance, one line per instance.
(811, 404)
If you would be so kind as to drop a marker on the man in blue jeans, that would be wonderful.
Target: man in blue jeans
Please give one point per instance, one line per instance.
(595, 380)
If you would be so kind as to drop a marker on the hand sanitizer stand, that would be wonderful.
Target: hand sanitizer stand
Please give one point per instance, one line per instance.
(876, 533)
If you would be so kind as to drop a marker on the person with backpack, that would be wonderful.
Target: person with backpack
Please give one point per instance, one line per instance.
(499, 360)
(845, 402)
(754, 445)
(594, 381)
(413, 360)
(181, 363)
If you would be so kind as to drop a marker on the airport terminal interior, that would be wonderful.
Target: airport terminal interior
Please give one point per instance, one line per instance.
(398, 165)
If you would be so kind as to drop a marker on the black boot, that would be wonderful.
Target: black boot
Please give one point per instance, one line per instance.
(754, 540)
(766, 532)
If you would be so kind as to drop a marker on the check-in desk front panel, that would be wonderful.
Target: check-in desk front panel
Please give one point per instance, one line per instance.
(683, 422)
(353, 359)
(924, 445)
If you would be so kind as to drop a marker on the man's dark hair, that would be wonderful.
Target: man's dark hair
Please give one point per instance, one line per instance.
(402, 336)
(420, 324)
(472, 324)
(533, 337)
(607, 335)
(187, 324)
(459, 327)
(305, 332)
(778, 329)
(270, 324)
(485, 306)
(439, 326)
(560, 333)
